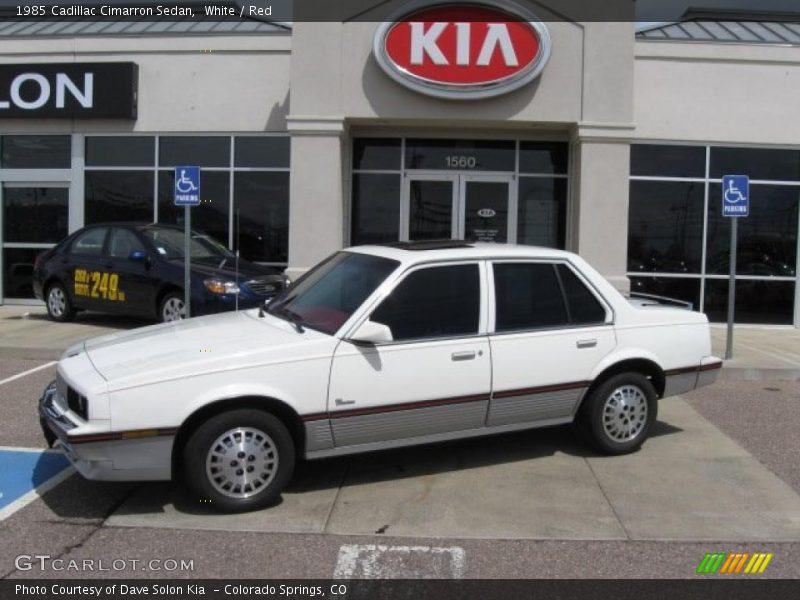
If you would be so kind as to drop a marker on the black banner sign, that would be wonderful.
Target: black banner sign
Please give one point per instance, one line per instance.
(69, 91)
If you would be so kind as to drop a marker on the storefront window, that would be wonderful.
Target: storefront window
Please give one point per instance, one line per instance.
(18, 272)
(542, 211)
(261, 151)
(469, 155)
(35, 152)
(376, 208)
(670, 217)
(757, 163)
(201, 151)
(758, 302)
(546, 158)
(118, 196)
(665, 226)
(668, 161)
(261, 215)
(376, 154)
(35, 215)
(120, 151)
(767, 239)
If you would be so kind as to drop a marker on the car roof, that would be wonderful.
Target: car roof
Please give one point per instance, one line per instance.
(417, 252)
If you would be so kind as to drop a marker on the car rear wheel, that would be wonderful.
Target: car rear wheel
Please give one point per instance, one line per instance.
(617, 416)
(59, 305)
(240, 460)
(172, 308)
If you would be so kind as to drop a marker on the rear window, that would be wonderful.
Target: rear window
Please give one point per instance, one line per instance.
(584, 308)
(90, 242)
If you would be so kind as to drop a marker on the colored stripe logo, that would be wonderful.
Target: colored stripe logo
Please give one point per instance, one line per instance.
(734, 563)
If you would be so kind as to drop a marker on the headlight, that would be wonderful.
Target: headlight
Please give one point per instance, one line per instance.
(218, 286)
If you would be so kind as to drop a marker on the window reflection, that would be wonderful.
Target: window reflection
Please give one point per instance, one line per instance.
(767, 239)
(665, 226)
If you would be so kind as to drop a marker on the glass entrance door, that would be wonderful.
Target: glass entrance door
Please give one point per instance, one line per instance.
(474, 207)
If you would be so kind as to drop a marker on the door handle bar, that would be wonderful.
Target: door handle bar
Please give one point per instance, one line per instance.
(457, 356)
(586, 343)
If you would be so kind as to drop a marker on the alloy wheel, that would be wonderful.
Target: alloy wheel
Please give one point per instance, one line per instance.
(625, 413)
(242, 462)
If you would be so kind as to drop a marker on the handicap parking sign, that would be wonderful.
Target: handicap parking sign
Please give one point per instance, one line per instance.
(187, 186)
(735, 196)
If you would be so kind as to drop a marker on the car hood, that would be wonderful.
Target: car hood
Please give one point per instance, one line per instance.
(247, 270)
(198, 346)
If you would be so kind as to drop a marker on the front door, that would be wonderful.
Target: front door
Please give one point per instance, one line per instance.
(474, 207)
(434, 378)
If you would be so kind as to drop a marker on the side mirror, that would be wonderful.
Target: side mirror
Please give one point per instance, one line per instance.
(138, 256)
(371, 332)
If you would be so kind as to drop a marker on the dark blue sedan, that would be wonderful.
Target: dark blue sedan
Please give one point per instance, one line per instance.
(136, 269)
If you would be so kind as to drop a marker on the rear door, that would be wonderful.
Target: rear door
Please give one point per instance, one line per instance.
(549, 330)
(83, 265)
(130, 287)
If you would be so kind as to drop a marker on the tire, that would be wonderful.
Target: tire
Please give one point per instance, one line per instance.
(171, 307)
(219, 475)
(59, 304)
(617, 416)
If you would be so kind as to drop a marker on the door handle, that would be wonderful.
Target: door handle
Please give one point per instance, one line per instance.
(340, 402)
(586, 343)
(456, 356)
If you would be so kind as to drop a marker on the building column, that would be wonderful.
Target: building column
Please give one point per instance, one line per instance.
(316, 191)
(599, 221)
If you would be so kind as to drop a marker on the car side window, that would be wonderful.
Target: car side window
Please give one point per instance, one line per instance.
(122, 242)
(584, 308)
(89, 242)
(528, 296)
(433, 302)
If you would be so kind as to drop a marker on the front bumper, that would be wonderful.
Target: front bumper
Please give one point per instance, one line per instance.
(104, 457)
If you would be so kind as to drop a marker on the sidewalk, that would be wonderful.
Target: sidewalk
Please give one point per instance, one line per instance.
(760, 353)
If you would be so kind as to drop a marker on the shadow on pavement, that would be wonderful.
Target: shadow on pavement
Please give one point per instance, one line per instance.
(397, 464)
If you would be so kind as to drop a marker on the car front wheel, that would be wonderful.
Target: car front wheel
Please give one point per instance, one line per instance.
(171, 308)
(59, 305)
(240, 460)
(618, 415)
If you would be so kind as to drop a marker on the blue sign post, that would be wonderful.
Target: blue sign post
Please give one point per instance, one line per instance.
(187, 194)
(735, 204)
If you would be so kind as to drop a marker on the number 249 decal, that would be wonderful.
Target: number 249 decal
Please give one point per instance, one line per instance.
(98, 284)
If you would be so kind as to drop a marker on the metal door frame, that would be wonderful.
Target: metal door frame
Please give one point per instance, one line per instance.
(459, 183)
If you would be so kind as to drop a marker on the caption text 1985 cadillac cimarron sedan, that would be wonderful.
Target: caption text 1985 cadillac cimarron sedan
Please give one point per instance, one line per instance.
(376, 347)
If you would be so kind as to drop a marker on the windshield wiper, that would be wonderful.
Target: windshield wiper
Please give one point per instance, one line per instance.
(291, 316)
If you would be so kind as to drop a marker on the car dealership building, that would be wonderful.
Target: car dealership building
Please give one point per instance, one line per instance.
(450, 120)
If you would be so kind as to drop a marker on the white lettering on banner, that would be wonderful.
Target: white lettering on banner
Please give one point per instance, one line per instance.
(497, 34)
(85, 98)
(44, 91)
(63, 84)
(425, 42)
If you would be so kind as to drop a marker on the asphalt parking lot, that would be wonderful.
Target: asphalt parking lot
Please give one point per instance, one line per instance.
(718, 475)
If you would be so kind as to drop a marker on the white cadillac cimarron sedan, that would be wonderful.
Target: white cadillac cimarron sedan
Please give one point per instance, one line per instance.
(376, 347)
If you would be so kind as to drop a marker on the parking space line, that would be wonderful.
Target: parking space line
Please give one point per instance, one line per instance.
(28, 372)
(374, 561)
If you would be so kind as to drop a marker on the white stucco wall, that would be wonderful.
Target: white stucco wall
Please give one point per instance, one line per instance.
(717, 93)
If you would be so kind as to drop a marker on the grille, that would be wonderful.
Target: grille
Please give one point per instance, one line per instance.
(77, 403)
(265, 288)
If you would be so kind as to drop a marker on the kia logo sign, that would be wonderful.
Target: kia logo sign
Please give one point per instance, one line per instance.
(465, 50)
(487, 213)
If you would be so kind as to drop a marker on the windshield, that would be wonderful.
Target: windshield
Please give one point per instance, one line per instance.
(169, 243)
(325, 297)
